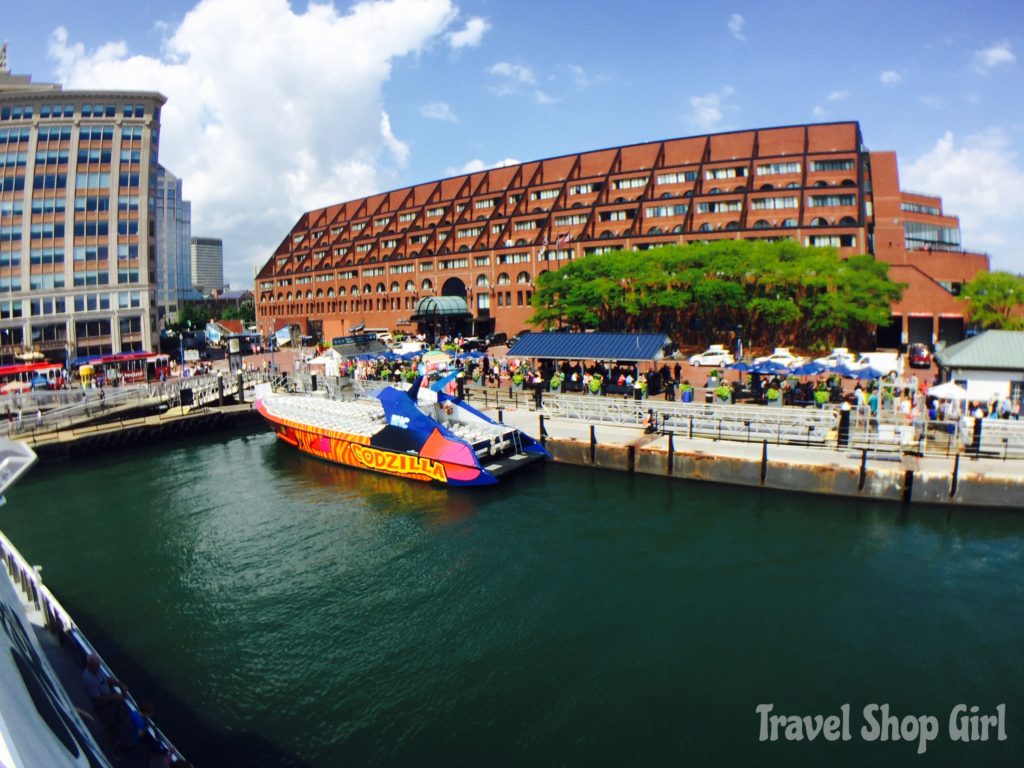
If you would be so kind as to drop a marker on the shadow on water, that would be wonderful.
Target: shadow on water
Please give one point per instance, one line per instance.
(201, 742)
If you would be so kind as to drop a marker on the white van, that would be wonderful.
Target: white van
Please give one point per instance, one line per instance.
(409, 345)
(383, 335)
(886, 362)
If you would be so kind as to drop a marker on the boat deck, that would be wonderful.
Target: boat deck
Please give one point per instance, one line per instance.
(353, 417)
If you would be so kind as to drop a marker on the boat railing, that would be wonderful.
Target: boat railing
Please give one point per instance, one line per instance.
(59, 622)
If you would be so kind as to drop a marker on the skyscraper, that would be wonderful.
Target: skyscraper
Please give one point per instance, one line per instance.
(207, 264)
(173, 251)
(77, 174)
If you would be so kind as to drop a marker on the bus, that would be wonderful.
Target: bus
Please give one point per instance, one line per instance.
(31, 376)
(123, 368)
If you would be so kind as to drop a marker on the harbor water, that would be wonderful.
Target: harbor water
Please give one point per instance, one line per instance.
(281, 611)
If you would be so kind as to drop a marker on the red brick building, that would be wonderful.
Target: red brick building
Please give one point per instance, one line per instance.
(482, 239)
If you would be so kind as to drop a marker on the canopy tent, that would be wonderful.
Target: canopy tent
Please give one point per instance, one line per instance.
(948, 391)
(15, 386)
(611, 347)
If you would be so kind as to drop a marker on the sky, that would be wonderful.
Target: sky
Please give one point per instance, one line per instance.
(275, 107)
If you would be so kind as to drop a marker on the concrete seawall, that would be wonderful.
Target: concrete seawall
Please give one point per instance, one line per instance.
(855, 474)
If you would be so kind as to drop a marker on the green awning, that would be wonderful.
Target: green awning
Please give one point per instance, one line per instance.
(441, 306)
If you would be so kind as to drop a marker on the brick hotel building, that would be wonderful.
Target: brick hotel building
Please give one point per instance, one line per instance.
(77, 239)
(465, 252)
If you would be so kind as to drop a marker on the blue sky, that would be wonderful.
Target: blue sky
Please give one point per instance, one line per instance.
(276, 108)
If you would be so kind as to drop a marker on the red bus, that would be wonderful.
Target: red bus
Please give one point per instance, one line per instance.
(128, 367)
(31, 375)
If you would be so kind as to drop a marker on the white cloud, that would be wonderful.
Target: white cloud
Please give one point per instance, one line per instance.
(818, 111)
(838, 95)
(543, 98)
(891, 77)
(469, 36)
(258, 135)
(736, 22)
(980, 180)
(709, 111)
(992, 57)
(581, 79)
(479, 165)
(439, 110)
(511, 78)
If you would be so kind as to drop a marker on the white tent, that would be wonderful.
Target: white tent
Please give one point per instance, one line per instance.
(948, 391)
(330, 360)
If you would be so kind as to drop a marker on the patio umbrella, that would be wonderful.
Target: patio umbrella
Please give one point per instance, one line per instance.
(867, 372)
(948, 391)
(809, 369)
(769, 368)
(740, 366)
(845, 370)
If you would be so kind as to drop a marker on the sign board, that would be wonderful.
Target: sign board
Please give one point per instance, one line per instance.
(233, 346)
(191, 355)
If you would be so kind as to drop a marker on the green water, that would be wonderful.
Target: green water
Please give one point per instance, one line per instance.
(283, 611)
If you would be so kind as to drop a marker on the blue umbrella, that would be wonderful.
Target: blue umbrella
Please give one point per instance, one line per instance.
(741, 366)
(867, 372)
(770, 368)
(809, 369)
(411, 355)
(844, 370)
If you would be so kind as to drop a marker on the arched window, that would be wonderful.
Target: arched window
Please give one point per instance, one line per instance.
(789, 223)
(319, 293)
(767, 187)
(394, 287)
(665, 195)
(309, 294)
(428, 252)
(280, 297)
(367, 289)
(792, 185)
(410, 286)
(523, 278)
(606, 234)
(426, 285)
(847, 221)
(355, 290)
(714, 191)
(761, 224)
(677, 229)
(463, 248)
(381, 288)
(504, 279)
(289, 295)
(330, 293)
(820, 183)
(732, 225)
(655, 231)
(520, 242)
(848, 183)
(414, 254)
(819, 222)
(481, 280)
(707, 227)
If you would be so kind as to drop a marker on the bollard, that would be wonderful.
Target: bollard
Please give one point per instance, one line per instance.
(764, 460)
(220, 389)
(593, 444)
(240, 394)
(500, 416)
(542, 431)
(312, 382)
(671, 453)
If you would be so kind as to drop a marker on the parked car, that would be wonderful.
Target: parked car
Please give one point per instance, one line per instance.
(713, 356)
(495, 340)
(837, 356)
(781, 355)
(473, 345)
(919, 356)
(886, 362)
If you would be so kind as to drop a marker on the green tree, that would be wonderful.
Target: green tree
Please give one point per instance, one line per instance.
(779, 292)
(996, 300)
(243, 311)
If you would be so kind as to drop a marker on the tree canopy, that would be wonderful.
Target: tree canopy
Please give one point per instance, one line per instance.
(778, 293)
(996, 300)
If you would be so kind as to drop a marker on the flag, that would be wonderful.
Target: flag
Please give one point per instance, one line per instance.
(543, 248)
(564, 239)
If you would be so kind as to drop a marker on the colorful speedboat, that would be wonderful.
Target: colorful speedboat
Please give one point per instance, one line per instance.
(419, 434)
